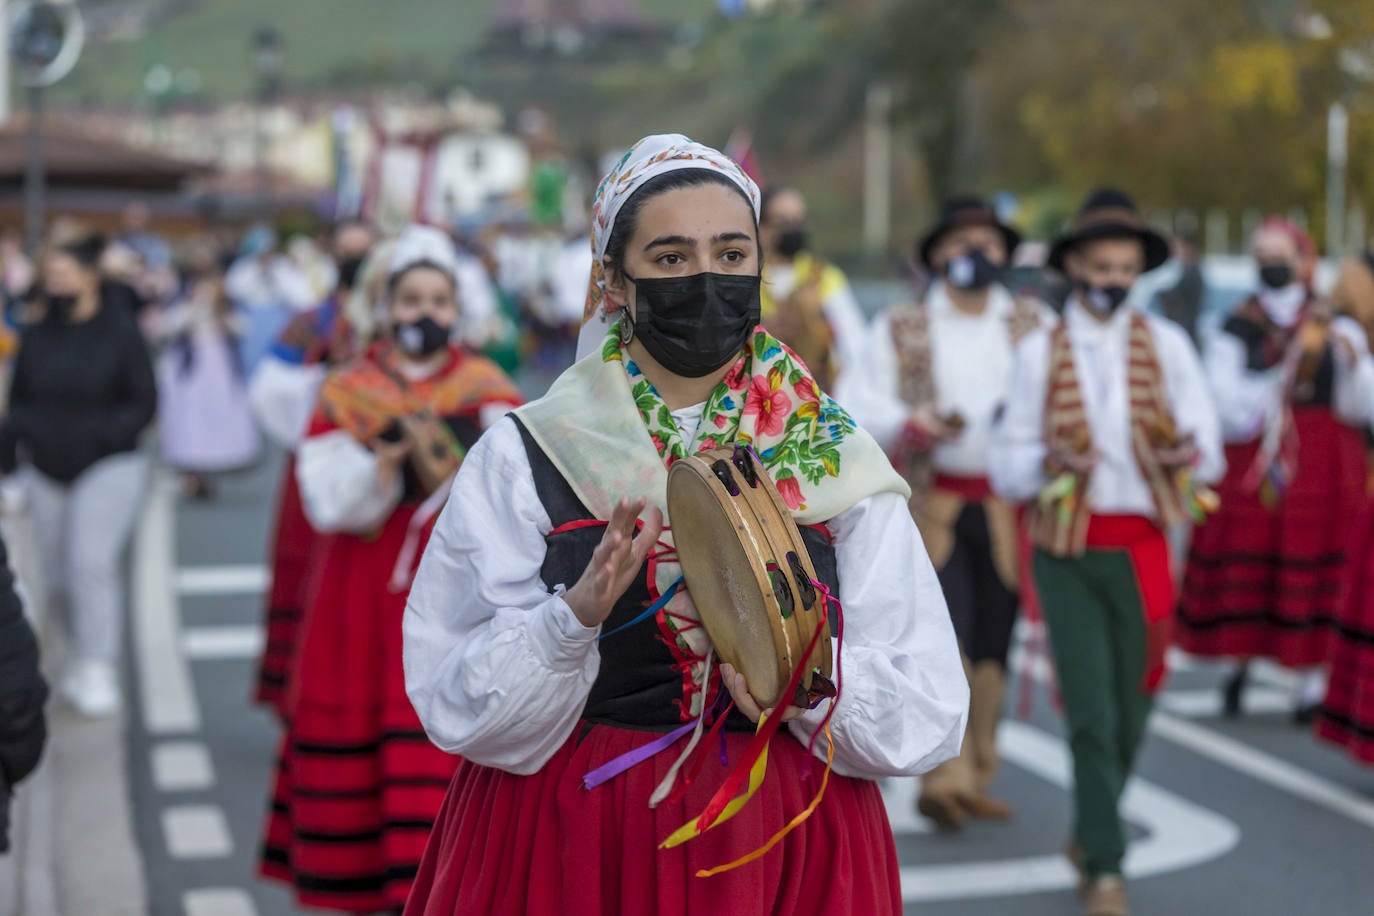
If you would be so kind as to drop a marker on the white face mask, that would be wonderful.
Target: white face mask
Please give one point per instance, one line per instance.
(1283, 305)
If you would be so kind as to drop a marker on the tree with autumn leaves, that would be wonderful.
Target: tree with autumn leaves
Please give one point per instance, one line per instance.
(1190, 105)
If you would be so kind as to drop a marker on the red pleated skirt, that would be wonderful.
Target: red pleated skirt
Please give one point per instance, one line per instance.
(293, 542)
(358, 783)
(542, 845)
(1347, 716)
(1267, 582)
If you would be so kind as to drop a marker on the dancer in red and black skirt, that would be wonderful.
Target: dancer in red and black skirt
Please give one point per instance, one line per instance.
(1347, 716)
(358, 783)
(283, 392)
(533, 648)
(1294, 387)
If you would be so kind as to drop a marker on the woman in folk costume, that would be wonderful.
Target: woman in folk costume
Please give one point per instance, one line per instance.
(555, 539)
(1108, 425)
(358, 784)
(1294, 386)
(1346, 717)
(936, 374)
(283, 392)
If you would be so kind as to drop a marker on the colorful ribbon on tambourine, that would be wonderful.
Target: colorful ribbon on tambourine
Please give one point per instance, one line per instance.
(725, 804)
(1063, 491)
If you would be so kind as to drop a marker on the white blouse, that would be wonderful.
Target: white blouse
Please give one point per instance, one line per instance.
(499, 669)
(971, 367)
(1100, 356)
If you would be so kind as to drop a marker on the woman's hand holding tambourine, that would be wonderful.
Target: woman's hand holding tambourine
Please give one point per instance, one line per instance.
(745, 702)
(615, 562)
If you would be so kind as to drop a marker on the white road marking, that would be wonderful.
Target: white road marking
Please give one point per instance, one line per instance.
(1181, 834)
(196, 832)
(218, 901)
(211, 643)
(182, 766)
(1266, 768)
(200, 581)
(1205, 703)
(169, 702)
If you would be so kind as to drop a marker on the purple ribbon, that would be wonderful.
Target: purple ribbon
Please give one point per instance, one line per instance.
(610, 770)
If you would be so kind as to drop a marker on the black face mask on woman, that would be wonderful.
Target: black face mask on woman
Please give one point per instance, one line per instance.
(423, 337)
(694, 325)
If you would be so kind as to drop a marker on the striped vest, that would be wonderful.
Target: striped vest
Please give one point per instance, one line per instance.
(1061, 528)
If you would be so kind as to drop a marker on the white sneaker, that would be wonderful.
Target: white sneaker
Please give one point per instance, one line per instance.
(92, 688)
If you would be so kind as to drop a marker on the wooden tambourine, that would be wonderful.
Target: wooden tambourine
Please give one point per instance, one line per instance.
(749, 575)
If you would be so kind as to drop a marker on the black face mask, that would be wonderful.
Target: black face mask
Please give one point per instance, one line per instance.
(1104, 299)
(972, 271)
(60, 307)
(792, 242)
(422, 338)
(348, 272)
(1275, 276)
(694, 325)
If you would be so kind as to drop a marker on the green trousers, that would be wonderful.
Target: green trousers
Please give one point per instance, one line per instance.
(1097, 634)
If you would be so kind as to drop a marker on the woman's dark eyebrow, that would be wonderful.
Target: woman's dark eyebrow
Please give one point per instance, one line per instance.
(679, 240)
(732, 237)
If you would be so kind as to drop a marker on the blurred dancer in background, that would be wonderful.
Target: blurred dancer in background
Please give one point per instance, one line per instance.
(807, 303)
(359, 783)
(1294, 385)
(1108, 415)
(283, 393)
(1346, 718)
(83, 392)
(935, 377)
(206, 427)
(269, 289)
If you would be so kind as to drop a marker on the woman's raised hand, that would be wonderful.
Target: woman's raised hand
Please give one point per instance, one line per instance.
(615, 562)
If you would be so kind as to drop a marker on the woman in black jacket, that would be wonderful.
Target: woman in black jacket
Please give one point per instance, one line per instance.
(22, 694)
(83, 392)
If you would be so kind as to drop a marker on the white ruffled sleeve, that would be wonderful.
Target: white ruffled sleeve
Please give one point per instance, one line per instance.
(282, 397)
(871, 396)
(1016, 462)
(904, 702)
(1353, 398)
(1193, 407)
(339, 486)
(498, 669)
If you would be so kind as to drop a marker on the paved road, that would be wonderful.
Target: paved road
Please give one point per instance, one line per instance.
(1249, 817)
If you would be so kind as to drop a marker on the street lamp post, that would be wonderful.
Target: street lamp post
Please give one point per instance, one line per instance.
(267, 49)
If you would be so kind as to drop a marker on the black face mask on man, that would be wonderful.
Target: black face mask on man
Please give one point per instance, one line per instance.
(1104, 300)
(694, 325)
(60, 306)
(349, 269)
(422, 337)
(792, 242)
(972, 271)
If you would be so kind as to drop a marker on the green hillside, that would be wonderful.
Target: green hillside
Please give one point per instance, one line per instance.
(329, 43)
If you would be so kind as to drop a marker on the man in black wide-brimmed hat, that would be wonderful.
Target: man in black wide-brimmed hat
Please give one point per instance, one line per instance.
(1108, 433)
(933, 379)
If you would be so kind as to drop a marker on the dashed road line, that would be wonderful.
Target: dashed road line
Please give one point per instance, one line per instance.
(224, 642)
(218, 901)
(197, 832)
(202, 581)
(168, 700)
(182, 766)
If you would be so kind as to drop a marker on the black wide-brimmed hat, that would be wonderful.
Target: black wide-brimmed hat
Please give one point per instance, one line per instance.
(962, 211)
(1109, 214)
